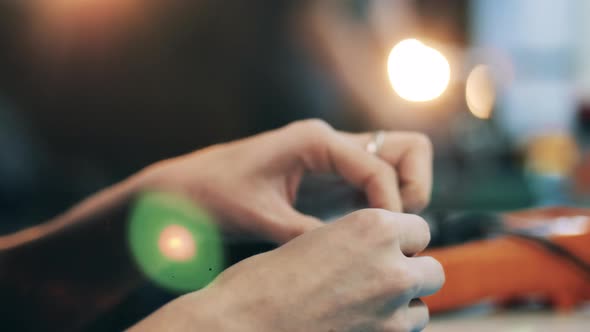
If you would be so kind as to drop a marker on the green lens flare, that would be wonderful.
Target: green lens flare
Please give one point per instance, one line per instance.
(175, 243)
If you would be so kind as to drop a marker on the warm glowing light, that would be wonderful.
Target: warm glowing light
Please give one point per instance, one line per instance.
(177, 243)
(480, 92)
(417, 72)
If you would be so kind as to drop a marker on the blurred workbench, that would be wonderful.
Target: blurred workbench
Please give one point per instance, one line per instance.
(512, 321)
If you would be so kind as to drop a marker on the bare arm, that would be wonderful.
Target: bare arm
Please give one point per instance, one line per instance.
(63, 273)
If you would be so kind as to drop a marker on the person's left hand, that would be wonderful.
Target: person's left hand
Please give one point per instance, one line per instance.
(250, 185)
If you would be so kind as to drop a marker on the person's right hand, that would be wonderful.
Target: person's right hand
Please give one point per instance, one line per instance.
(356, 274)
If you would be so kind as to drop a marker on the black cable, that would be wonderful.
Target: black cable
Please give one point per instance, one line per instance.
(554, 248)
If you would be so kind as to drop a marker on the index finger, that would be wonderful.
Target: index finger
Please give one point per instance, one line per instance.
(328, 151)
(411, 154)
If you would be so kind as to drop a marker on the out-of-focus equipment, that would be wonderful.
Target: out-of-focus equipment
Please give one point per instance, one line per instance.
(541, 255)
(550, 160)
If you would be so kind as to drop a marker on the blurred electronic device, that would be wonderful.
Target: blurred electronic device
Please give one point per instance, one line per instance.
(541, 255)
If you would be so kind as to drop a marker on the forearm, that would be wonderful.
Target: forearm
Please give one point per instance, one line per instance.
(63, 273)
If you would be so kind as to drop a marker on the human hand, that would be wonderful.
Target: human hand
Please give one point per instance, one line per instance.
(356, 274)
(250, 185)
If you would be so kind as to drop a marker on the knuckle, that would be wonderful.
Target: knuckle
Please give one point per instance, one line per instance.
(439, 270)
(403, 282)
(426, 318)
(375, 222)
(375, 227)
(313, 136)
(423, 228)
(398, 324)
(314, 126)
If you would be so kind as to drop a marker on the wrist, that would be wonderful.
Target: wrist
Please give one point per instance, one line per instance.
(197, 311)
(205, 310)
(215, 309)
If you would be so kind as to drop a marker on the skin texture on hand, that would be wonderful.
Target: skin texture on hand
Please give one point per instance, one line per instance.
(356, 274)
(251, 185)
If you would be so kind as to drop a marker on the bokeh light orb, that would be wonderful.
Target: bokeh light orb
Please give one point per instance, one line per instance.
(418, 72)
(175, 243)
(480, 92)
